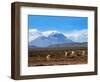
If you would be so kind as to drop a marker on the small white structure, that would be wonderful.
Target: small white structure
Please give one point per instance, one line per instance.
(83, 53)
(66, 54)
(72, 53)
(48, 57)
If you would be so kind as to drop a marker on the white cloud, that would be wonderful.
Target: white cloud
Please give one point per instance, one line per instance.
(78, 35)
(33, 34)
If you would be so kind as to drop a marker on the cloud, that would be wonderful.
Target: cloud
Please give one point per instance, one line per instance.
(33, 34)
(78, 35)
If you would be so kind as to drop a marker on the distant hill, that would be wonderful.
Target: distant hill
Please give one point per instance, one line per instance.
(70, 45)
(31, 46)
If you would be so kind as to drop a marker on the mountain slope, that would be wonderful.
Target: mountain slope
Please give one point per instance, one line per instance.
(70, 45)
(51, 39)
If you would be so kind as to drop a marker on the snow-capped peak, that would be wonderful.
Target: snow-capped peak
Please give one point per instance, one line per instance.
(48, 33)
(76, 36)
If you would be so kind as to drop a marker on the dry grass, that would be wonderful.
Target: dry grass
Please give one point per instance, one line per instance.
(38, 57)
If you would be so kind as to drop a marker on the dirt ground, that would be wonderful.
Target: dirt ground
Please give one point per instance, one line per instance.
(57, 57)
(69, 61)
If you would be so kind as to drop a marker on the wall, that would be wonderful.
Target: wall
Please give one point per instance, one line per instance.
(5, 38)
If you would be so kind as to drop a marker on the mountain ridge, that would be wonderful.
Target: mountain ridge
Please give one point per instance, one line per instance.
(53, 38)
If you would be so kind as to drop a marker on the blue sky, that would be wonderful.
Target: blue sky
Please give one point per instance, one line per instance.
(59, 23)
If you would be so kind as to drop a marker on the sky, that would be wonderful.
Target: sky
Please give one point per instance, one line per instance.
(59, 23)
